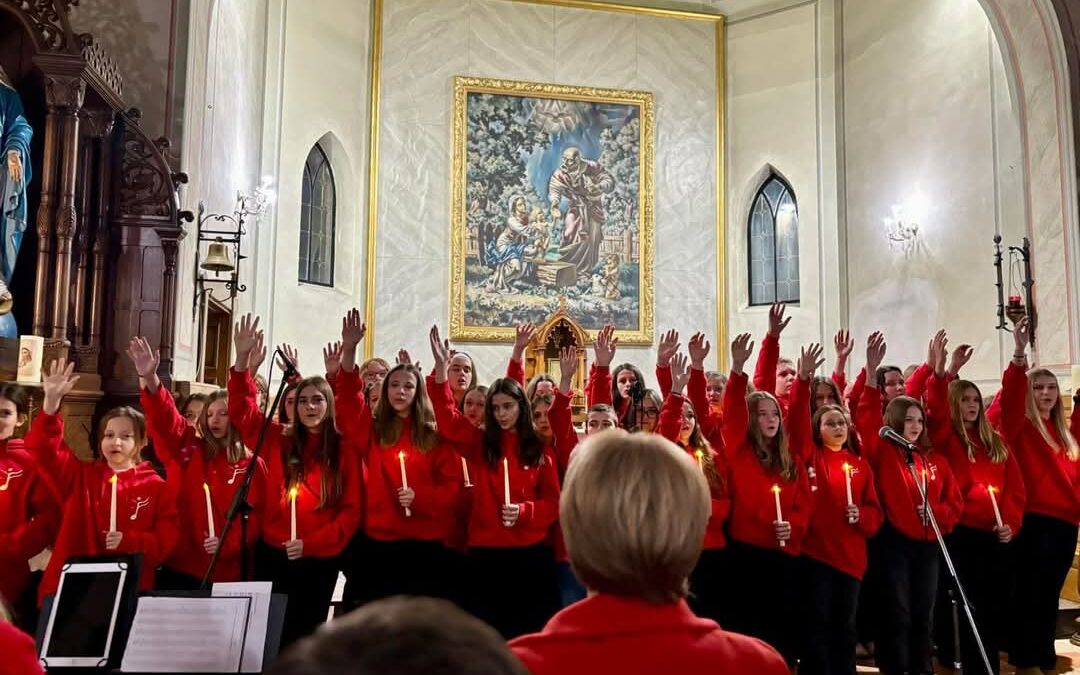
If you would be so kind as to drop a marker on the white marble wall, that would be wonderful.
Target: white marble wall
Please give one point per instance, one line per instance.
(426, 44)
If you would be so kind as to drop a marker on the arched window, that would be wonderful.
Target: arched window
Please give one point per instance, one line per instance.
(317, 207)
(774, 244)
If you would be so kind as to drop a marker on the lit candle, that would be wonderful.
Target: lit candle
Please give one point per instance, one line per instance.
(847, 486)
(465, 470)
(779, 513)
(404, 479)
(700, 459)
(112, 505)
(506, 481)
(293, 492)
(993, 502)
(209, 511)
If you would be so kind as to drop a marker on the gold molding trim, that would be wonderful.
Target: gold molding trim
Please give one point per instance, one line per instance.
(463, 86)
(721, 127)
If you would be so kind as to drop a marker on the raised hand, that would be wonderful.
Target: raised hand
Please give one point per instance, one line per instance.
(522, 334)
(144, 357)
(440, 353)
(777, 322)
(844, 344)
(936, 348)
(875, 354)
(810, 360)
(292, 356)
(257, 355)
(244, 335)
(960, 356)
(680, 372)
(1021, 340)
(568, 365)
(669, 344)
(699, 349)
(57, 382)
(331, 355)
(741, 349)
(604, 347)
(352, 329)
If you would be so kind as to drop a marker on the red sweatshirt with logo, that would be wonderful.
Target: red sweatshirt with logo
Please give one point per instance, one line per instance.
(753, 505)
(146, 513)
(1051, 478)
(171, 435)
(900, 495)
(830, 538)
(325, 529)
(534, 487)
(29, 516)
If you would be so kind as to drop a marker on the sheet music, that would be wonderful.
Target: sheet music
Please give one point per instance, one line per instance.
(258, 618)
(187, 635)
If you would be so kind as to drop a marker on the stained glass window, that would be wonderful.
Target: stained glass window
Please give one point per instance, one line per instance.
(317, 207)
(774, 244)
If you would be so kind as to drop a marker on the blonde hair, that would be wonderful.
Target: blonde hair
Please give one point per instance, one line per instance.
(773, 453)
(995, 446)
(1057, 417)
(633, 512)
(896, 414)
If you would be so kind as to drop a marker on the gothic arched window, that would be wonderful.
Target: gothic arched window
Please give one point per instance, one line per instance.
(773, 231)
(317, 207)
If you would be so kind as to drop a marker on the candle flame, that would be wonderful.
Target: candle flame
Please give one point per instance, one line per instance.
(699, 454)
(401, 455)
(293, 491)
(113, 479)
(776, 489)
(206, 488)
(847, 467)
(992, 489)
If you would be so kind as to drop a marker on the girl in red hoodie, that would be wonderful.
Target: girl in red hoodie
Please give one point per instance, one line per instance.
(413, 478)
(908, 547)
(515, 503)
(29, 512)
(614, 388)
(834, 548)
(211, 473)
(117, 486)
(1028, 413)
(763, 545)
(678, 423)
(312, 472)
(980, 544)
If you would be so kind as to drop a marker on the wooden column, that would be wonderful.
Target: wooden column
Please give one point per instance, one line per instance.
(66, 219)
(82, 242)
(44, 224)
(101, 238)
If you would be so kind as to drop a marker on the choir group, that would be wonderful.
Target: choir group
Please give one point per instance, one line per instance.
(819, 535)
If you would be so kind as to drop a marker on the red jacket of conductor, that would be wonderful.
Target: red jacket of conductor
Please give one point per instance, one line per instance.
(611, 634)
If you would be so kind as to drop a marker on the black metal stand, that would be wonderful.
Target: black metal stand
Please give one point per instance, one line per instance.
(932, 520)
(240, 506)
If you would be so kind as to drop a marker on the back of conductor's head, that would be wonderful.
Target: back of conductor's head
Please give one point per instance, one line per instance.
(401, 636)
(633, 511)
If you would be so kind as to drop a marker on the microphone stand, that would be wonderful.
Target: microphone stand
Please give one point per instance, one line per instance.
(929, 517)
(240, 506)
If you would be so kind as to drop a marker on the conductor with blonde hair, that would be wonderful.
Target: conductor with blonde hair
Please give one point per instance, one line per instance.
(633, 512)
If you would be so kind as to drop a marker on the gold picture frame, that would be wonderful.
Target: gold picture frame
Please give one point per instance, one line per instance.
(524, 237)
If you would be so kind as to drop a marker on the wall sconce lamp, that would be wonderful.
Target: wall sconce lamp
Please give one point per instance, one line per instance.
(1020, 302)
(901, 230)
(222, 239)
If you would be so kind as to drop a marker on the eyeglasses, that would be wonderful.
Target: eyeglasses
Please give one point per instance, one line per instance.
(840, 424)
(650, 412)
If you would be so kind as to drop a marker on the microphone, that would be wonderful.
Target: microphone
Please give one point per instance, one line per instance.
(290, 369)
(889, 434)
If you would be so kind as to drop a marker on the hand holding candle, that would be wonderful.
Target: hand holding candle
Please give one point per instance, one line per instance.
(209, 512)
(404, 480)
(465, 470)
(112, 505)
(779, 512)
(293, 493)
(993, 502)
(847, 486)
(506, 482)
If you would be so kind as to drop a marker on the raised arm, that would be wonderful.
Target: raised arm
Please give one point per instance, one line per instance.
(671, 412)
(46, 437)
(453, 426)
(769, 356)
(244, 412)
(165, 425)
(868, 415)
(843, 344)
(669, 345)
(736, 414)
(1008, 412)
(354, 418)
(515, 367)
(698, 349)
(800, 435)
(598, 386)
(938, 412)
(562, 423)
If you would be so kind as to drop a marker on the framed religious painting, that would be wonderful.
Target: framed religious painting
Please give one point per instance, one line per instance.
(552, 199)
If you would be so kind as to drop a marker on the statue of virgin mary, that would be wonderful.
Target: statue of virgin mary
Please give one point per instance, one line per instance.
(15, 135)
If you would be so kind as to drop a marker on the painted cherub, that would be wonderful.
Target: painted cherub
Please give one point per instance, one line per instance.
(611, 277)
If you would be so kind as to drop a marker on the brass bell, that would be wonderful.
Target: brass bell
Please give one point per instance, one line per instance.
(217, 258)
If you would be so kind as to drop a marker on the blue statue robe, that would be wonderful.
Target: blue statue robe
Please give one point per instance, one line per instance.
(15, 134)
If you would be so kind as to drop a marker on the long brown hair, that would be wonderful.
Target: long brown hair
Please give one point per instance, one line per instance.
(697, 443)
(852, 442)
(530, 447)
(328, 453)
(232, 444)
(896, 413)
(995, 446)
(1057, 417)
(388, 425)
(773, 453)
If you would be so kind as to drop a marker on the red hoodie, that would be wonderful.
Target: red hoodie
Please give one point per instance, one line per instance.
(172, 435)
(711, 421)
(434, 475)
(535, 488)
(19, 650)
(324, 529)
(753, 506)
(29, 516)
(566, 439)
(624, 636)
(900, 496)
(1051, 478)
(145, 513)
(974, 478)
(598, 390)
(830, 538)
(670, 422)
(914, 386)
